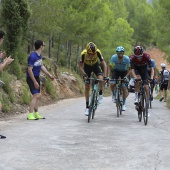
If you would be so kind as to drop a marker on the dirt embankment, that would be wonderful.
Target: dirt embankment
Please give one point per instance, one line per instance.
(159, 57)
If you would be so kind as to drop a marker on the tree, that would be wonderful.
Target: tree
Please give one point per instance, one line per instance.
(15, 16)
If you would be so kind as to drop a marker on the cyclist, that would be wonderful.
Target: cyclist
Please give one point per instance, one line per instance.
(119, 67)
(152, 83)
(163, 79)
(139, 62)
(89, 63)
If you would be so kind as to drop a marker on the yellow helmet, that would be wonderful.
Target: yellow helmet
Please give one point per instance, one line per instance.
(91, 48)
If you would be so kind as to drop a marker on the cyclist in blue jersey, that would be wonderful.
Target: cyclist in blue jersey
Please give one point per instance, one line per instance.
(119, 67)
(152, 83)
(34, 67)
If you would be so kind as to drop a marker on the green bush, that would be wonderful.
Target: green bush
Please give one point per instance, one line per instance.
(50, 88)
(5, 103)
(26, 97)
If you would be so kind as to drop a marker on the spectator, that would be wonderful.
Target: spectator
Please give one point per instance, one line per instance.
(35, 65)
(3, 64)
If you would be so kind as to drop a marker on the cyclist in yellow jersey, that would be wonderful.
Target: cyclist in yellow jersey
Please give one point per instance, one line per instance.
(89, 63)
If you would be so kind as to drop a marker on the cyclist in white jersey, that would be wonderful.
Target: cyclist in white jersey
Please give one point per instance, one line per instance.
(119, 67)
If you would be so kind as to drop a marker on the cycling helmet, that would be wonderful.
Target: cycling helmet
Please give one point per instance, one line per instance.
(138, 50)
(91, 48)
(120, 49)
(163, 65)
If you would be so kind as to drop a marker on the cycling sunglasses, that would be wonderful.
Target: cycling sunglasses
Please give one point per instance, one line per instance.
(120, 52)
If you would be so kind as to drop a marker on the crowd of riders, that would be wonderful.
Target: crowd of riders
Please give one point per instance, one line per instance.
(138, 66)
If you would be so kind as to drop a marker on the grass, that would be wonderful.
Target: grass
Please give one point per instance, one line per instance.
(168, 98)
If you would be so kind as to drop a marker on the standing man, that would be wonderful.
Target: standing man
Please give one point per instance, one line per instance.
(3, 64)
(163, 79)
(89, 63)
(34, 67)
(119, 67)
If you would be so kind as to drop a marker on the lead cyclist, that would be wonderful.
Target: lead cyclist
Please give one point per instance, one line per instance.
(89, 63)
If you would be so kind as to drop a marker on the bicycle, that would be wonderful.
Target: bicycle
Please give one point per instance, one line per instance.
(93, 99)
(119, 97)
(142, 106)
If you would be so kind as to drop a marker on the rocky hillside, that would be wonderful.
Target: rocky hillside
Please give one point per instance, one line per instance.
(158, 56)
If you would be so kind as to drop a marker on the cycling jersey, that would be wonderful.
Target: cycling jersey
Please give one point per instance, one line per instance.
(85, 58)
(141, 64)
(164, 76)
(35, 61)
(153, 65)
(118, 65)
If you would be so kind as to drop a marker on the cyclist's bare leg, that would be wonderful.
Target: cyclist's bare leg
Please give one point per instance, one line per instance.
(112, 87)
(147, 91)
(33, 102)
(137, 84)
(100, 82)
(124, 92)
(87, 90)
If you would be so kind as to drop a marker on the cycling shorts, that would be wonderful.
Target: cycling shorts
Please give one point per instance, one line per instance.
(143, 73)
(31, 85)
(116, 74)
(163, 86)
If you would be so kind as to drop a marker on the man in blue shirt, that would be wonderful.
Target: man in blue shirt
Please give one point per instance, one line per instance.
(34, 67)
(119, 67)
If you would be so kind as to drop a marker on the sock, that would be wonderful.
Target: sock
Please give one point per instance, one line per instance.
(36, 113)
(114, 93)
(87, 104)
(100, 92)
(124, 101)
(136, 94)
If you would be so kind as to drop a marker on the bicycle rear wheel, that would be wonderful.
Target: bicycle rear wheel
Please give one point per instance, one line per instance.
(150, 94)
(139, 107)
(145, 108)
(91, 105)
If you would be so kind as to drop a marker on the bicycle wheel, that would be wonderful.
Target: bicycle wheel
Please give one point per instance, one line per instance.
(140, 108)
(118, 103)
(94, 105)
(120, 100)
(145, 108)
(91, 105)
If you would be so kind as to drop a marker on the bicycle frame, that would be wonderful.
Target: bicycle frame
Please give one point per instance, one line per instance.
(93, 99)
(119, 98)
(142, 106)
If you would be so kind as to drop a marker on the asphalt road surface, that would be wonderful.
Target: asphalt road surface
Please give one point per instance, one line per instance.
(65, 141)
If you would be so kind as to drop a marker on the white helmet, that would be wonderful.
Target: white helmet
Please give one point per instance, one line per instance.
(163, 65)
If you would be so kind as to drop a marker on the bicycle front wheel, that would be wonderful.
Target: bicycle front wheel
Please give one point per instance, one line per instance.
(118, 103)
(95, 105)
(91, 105)
(145, 108)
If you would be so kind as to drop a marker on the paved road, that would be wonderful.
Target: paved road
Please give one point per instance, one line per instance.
(65, 141)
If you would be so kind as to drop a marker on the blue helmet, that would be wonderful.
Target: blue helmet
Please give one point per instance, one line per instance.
(120, 49)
